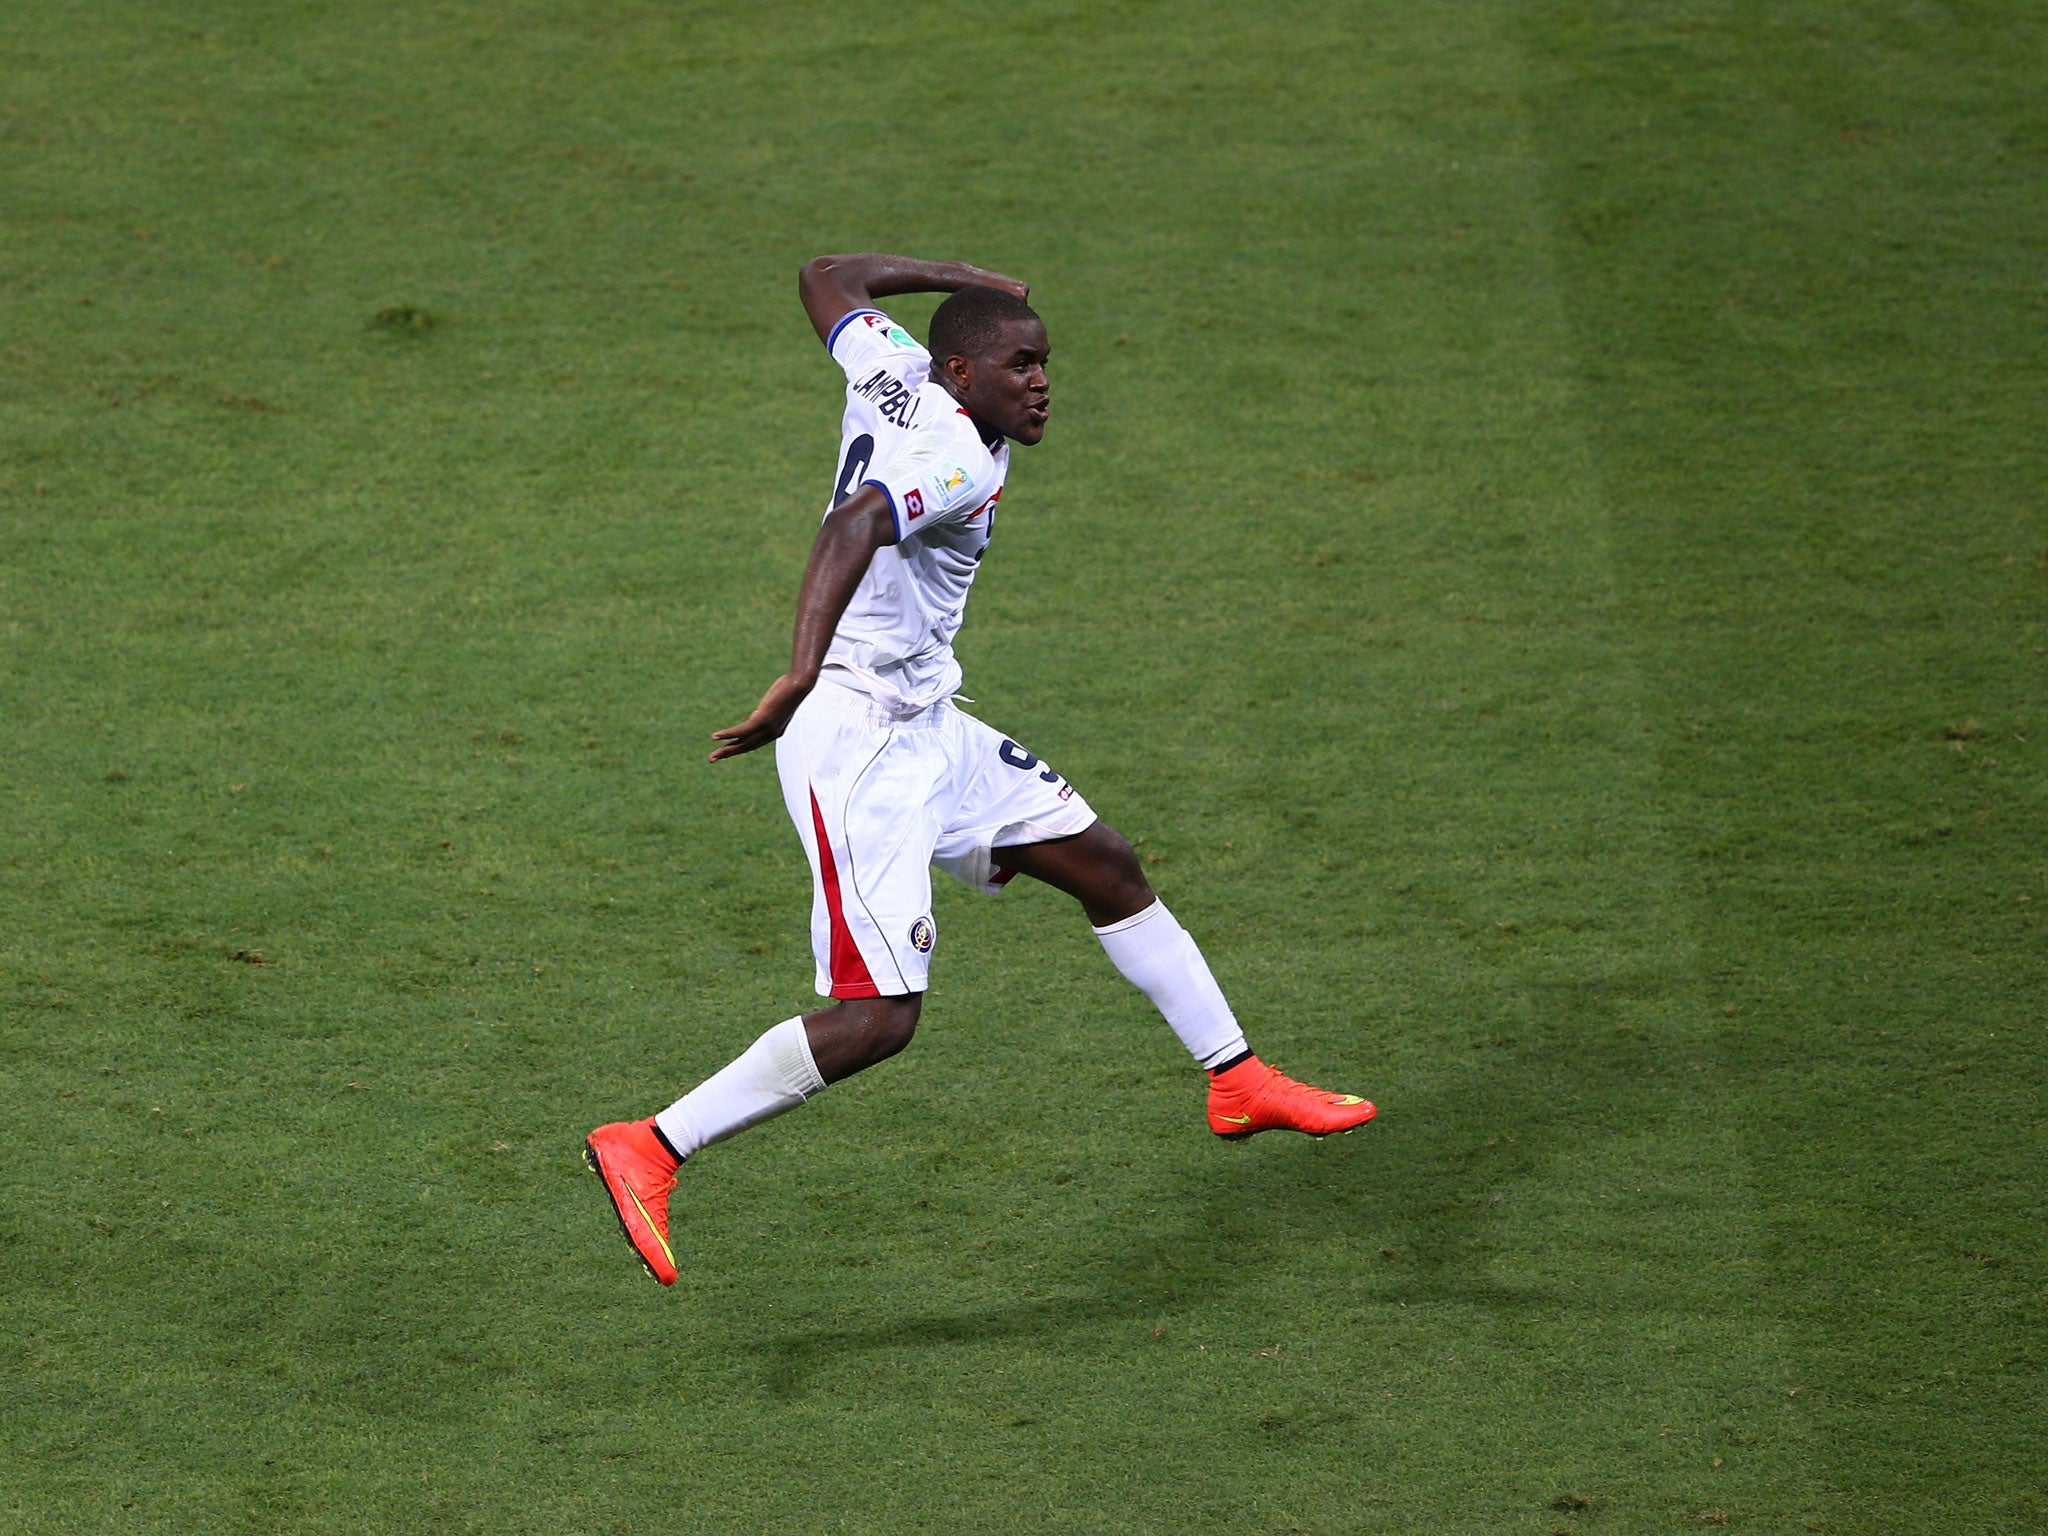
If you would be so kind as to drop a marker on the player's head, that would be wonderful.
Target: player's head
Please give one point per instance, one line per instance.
(989, 351)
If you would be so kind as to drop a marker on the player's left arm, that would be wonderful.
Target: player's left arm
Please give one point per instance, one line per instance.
(833, 287)
(840, 556)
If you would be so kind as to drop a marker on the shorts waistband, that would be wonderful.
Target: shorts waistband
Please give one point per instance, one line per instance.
(847, 694)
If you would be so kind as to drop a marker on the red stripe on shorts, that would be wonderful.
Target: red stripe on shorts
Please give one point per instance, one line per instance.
(850, 976)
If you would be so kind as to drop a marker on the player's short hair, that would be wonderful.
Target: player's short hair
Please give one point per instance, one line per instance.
(971, 319)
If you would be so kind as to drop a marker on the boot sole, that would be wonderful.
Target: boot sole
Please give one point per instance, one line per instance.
(1260, 1130)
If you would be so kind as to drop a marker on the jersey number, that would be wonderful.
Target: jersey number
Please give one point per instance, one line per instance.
(858, 454)
(1017, 757)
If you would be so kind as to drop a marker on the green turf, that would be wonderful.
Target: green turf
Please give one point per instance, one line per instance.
(1541, 538)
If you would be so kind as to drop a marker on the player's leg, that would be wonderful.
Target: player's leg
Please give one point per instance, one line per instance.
(853, 1035)
(1010, 814)
(856, 789)
(638, 1159)
(1141, 937)
(787, 1065)
(1158, 956)
(1098, 868)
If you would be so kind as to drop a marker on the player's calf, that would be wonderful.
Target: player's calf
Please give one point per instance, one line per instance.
(857, 1032)
(1145, 942)
(1098, 868)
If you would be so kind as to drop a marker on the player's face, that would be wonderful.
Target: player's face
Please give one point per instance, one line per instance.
(1006, 390)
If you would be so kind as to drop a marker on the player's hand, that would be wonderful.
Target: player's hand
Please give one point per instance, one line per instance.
(768, 721)
(1009, 285)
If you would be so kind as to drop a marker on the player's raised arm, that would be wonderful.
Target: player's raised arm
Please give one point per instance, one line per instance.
(832, 287)
(840, 556)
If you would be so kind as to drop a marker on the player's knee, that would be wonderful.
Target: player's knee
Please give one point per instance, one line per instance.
(1121, 878)
(888, 1023)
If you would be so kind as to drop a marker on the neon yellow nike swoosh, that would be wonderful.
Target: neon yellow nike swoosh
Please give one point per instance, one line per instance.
(1235, 1119)
(666, 1252)
(1349, 1098)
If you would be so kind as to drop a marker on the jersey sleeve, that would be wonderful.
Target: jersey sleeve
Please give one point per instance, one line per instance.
(939, 477)
(865, 339)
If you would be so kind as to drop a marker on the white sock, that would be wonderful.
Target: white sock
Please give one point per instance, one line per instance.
(1160, 959)
(773, 1074)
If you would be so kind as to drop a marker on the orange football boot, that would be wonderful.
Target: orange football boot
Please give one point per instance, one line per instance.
(1252, 1097)
(638, 1173)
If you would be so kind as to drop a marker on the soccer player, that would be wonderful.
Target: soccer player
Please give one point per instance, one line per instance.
(883, 773)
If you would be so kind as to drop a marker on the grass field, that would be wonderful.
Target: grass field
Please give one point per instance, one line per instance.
(1541, 536)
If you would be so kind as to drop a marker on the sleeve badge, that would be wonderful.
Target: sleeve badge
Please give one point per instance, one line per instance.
(949, 483)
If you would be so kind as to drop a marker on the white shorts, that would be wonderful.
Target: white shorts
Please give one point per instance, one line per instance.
(878, 801)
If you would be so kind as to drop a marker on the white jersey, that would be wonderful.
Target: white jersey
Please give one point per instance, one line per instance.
(908, 436)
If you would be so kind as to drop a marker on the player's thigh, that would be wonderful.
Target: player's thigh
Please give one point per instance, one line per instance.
(999, 793)
(860, 793)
